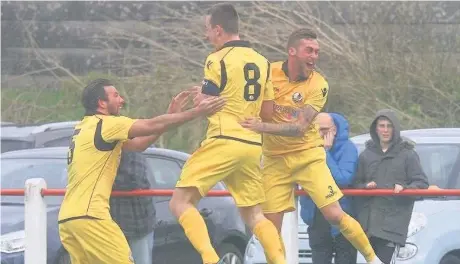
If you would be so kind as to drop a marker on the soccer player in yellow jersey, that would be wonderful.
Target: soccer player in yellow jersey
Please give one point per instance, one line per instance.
(86, 228)
(293, 151)
(230, 153)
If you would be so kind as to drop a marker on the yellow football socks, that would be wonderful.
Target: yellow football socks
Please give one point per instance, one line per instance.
(353, 231)
(270, 239)
(197, 232)
(282, 245)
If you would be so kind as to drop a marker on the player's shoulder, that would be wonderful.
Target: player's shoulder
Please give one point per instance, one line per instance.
(319, 77)
(112, 119)
(214, 56)
(259, 55)
(277, 65)
(277, 69)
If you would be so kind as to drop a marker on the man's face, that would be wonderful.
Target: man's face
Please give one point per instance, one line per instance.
(212, 33)
(114, 101)
(326, 124)
(306, 54)
(384, 130)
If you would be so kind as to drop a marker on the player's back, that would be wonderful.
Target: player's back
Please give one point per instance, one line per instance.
(242, 75)
(93, 161)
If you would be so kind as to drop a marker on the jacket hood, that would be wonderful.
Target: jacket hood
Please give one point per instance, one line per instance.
(390, 114)
(342, 126)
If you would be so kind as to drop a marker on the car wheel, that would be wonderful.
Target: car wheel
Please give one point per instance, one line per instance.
(230, 254)
(64, 258)
(450, 259)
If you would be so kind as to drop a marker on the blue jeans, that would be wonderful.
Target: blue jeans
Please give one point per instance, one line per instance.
(142, 249)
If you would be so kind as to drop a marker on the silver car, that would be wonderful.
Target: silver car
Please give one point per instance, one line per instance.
(434, 230)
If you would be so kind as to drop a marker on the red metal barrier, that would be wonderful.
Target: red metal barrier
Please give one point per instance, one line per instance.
(348, 192)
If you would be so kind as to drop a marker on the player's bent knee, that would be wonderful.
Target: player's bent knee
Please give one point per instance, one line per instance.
(252, 215)
(333, 213)
(276, 219)
(183, 198)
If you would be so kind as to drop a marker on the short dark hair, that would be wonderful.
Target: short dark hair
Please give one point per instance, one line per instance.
(297, 35)
(92, 93)
(224, 15)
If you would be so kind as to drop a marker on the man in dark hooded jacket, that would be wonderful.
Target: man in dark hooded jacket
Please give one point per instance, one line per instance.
(389, 161)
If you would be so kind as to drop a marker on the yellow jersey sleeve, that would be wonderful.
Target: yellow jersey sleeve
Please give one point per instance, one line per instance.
(269, 93)
(212, 76)
(318, 97)
(116, 128)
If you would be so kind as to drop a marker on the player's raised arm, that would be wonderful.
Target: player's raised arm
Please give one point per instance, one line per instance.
(159, 124)
(177, 104)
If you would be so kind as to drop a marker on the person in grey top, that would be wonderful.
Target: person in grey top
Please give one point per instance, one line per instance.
(389, 161)
(135, 214)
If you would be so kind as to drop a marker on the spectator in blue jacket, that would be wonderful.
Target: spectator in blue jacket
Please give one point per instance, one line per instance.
(342, 160)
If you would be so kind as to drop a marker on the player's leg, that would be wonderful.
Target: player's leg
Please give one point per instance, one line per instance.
(209, 164)
(246, 187)
(317, 180)
(279, 190)
(266, 233)
(183, 206)
(101, 241)
(71, 245)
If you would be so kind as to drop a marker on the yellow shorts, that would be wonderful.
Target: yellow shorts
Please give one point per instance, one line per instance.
(235, 163)
(307, 168)
(94, 241)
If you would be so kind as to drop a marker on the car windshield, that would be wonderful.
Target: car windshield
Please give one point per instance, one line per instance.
(438, 161)
(11, 144)
(15, 172)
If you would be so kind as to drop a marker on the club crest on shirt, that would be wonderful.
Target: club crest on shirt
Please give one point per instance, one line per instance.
(297, 97)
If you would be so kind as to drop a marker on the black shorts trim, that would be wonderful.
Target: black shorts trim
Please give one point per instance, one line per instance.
(78, 217)
(238, 139)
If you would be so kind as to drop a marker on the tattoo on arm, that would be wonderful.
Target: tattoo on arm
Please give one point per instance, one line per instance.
(306, 117)
(286, 129)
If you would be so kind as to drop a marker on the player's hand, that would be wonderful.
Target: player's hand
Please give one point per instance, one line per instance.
(179, 102)
(210, 105)
(197, 95)
(398, 188)
(371, 185)
(252, 123)
(434, 187)
(328, 140)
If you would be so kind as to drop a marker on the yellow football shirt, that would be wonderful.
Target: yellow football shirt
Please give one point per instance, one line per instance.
(93, 160)
(290, 96)
(242, 76)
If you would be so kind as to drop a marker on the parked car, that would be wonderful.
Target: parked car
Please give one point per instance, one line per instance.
(16, 137)
(434, 231)
(227, 230)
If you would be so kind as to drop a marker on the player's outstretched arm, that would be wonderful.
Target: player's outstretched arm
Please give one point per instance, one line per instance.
(142, 143)
(159, 124)
(306, 116)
